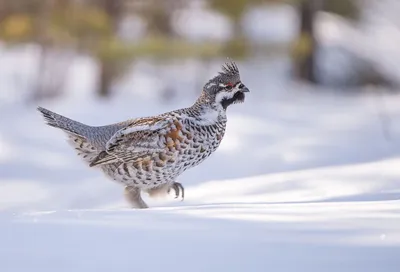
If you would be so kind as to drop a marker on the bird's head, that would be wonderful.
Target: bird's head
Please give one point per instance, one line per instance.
(226, 88)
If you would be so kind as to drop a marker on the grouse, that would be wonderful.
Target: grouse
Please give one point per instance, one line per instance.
(148, 154)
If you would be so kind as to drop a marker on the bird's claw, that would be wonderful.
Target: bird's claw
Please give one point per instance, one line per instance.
(178, 189)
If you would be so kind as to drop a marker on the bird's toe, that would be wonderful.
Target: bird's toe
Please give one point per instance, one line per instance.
(178, 189)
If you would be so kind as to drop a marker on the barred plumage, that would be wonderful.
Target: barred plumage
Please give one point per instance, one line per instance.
(148, 154)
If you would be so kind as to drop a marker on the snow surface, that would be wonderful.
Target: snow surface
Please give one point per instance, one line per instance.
(302, 182)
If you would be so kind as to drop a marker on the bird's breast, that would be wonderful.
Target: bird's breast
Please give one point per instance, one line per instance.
(183, 146)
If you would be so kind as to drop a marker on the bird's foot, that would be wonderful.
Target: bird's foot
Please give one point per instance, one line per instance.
(134, 198)
(178, 189)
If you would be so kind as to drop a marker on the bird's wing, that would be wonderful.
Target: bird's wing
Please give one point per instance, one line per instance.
(144, 136)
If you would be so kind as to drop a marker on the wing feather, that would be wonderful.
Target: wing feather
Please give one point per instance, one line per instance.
(133, 141)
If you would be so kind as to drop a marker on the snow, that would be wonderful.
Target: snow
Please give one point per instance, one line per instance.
(275, 23)
(374, 38)
(198, 23)
(303, 181)
(306, 179)
(250, 237)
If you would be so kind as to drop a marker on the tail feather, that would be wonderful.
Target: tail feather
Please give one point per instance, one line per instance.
(68, 125)
(78, 134)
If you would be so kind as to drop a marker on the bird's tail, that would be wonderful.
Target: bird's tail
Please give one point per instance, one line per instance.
(68, 125)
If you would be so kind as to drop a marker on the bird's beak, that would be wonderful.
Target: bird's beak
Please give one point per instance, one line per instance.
(244, 89)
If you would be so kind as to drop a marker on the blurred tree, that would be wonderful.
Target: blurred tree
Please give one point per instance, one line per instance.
(49, 24)
(158, 14)
(305, 46)
(61, 27)
(237, 46)
(346, 8)
(109, 66)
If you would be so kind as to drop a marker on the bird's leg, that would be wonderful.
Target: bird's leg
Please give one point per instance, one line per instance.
(178, 189)
(133, 196)
(166, 189)
(158, 191)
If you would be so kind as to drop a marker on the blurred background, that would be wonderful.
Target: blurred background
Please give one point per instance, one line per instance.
(108, 47)
(324, 77)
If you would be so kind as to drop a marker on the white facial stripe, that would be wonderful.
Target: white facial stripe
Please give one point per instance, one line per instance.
(228, 93)
(210, 84)
(236, 87)
(224, 95)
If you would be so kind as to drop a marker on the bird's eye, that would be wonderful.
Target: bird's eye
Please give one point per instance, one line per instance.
(229, 87)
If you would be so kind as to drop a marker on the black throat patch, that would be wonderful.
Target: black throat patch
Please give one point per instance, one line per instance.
(237, 98)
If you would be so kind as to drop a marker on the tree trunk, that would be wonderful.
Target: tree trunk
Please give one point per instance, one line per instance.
(106, 78)
(113, 8)
(305, 47)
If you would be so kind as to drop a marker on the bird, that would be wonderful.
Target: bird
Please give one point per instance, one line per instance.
(148, 154)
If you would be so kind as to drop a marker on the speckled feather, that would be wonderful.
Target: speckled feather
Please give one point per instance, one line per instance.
(149, 153)
(153, 151)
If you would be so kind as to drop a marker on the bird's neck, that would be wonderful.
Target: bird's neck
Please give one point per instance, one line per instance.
(206, 112)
